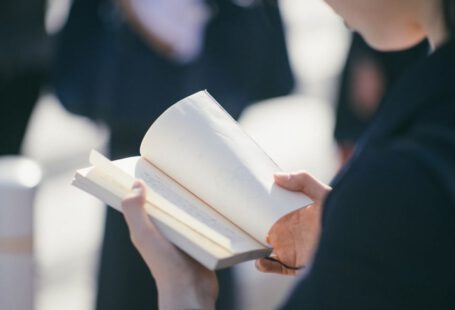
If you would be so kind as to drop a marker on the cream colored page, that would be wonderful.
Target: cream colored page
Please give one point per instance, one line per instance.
(174, 200)
(200, 146)
(190, 241)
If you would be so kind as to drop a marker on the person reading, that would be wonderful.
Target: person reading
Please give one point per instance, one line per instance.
(383, 237)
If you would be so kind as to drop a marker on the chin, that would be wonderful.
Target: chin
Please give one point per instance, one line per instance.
(393, 43)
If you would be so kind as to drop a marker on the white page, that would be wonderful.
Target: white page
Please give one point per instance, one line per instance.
(205, 251)
(200, 146)
(171, 198)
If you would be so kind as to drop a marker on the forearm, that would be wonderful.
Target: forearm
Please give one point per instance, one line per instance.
(187, 293)
(182, 282)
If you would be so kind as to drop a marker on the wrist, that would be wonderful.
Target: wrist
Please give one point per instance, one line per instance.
(195, 291)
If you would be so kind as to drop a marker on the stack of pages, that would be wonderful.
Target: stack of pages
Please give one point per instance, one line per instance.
(210, 187)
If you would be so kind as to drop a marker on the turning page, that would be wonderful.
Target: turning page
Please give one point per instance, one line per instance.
(199, 145)
(168, 196)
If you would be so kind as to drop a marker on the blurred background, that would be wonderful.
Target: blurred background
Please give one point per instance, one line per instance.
(296, 130)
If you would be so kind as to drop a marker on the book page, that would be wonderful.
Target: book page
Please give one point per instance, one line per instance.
(200, 146)
(172, 199)
(210, 254)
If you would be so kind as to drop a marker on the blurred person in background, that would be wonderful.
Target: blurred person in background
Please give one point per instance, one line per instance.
(124, 62)
(383, 237)
(366, 78)
(24, 59)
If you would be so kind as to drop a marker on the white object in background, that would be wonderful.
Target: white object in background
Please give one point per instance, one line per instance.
(19, 178)
(179, 23)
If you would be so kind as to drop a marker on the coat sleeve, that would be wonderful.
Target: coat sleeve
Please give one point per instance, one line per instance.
(387, 242)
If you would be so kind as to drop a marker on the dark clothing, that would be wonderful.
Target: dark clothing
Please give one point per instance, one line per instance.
(245, 57)
(350, 123)
(18, 95)
(105, 71)
(24, 44)
(388, 239)
(124, 281)
(24, 55)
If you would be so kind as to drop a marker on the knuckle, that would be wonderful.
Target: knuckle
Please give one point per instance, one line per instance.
(131, 203)
(127, 202)
(135, 200)
(301, 179)
(304, 176)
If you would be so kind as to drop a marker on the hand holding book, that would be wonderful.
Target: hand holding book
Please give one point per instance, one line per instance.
(295, 238)
(209, 186)
(172, 269)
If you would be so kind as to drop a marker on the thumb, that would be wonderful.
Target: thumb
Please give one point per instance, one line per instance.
(136, 217)
(303, 182)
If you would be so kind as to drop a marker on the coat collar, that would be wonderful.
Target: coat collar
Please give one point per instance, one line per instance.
(420, 87)
(425, 84)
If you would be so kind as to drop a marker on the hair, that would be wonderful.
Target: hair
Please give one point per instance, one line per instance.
(449, 16)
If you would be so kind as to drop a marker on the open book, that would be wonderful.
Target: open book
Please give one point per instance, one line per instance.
(210, 187)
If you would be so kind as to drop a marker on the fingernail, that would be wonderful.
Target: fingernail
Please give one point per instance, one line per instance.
(283, 175)
(137, 187)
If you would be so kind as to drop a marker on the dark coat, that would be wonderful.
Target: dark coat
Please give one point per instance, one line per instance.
(24, 45)
(350, 123)
(25, 50)
(388, 239)
(105, 71)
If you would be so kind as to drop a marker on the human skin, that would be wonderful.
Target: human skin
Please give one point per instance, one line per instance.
(385, 25)
(393, 25)
(173, 270)
(295, 236)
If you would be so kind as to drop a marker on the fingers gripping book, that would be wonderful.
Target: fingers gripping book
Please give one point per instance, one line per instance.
(210, 187)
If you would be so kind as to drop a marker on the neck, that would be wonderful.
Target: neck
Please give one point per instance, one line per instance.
(433, 23)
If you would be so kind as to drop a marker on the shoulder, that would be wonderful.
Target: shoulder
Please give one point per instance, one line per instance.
(391, 183)
(391, 214)
(387, 239)
(430, 140)
(436, 119)
(421, 150)
(400, 174)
